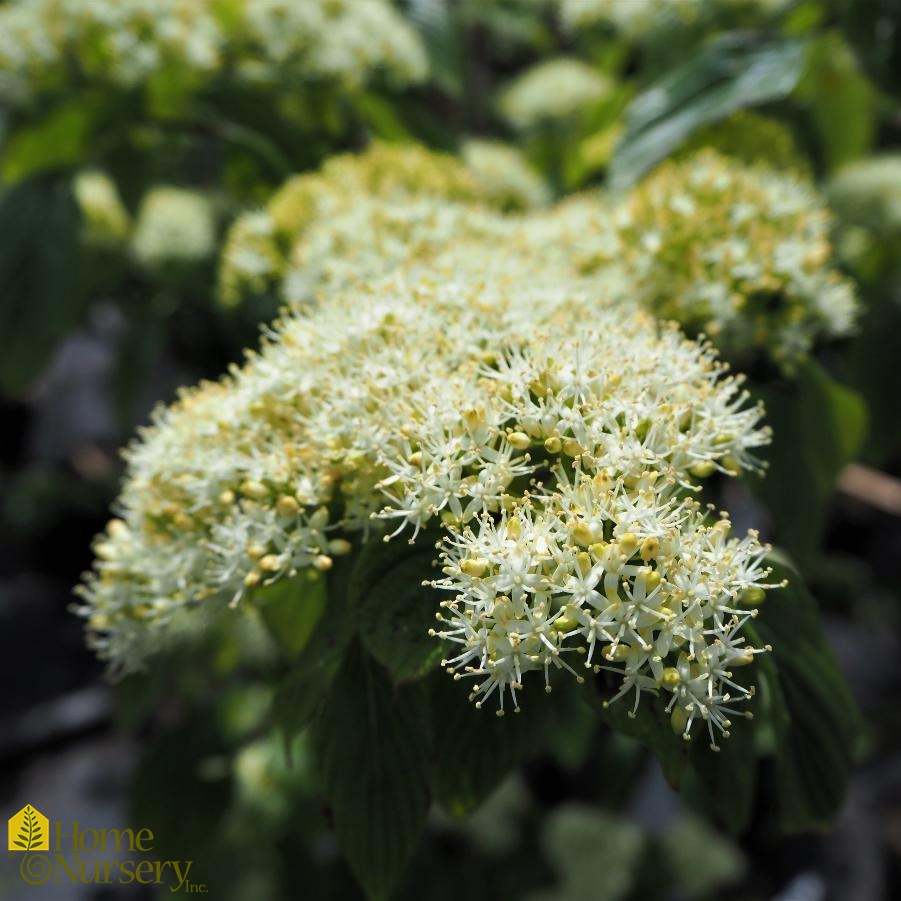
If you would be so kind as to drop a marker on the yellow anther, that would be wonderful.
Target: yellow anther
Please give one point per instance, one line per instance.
(287, 506)
(255, 550)
(670, 677)
(583, 533)
(703, 469)
(227, 498)
(627, 543)
(270, 563)
(415, 459)
(518, 440)
(323, 563)
(253, 489)
(117, 528)
(475, 567)
(252, 579)
(553, 445)
(583, 561)
(650, 548)
(571, 447)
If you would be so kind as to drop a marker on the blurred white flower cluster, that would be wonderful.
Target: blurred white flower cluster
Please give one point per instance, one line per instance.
(554, 90)
(556, 433)
(739, 252)
(174, 226)
(125, 43)
(636, 19)
(361, 216)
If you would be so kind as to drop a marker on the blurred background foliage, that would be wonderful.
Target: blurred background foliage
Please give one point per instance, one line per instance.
(134, 133)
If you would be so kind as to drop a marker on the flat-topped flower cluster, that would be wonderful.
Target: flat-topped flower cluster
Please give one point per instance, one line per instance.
(554, 433)
(735, 251)
(125, 43)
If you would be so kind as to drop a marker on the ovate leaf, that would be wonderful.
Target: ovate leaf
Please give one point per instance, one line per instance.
(371, 745)
(735, 71)
(393, 610)
(291, 608)
(817, 724)
(475, 749)
(818, 427)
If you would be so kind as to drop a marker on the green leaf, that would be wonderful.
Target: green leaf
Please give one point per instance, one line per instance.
(393, 611)
(39, 222)
(818, 427)
(291, 608)
(650, 726)
(843, 103)
(20, 844)
(61, 138)
(302, 691)
(181, 789)
(371, 746)
(735, 71)
(722, 783)
(475, 749)
(817, 724)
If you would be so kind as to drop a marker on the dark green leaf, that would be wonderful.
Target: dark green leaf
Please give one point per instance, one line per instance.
(818, 729)
(722, 783)
(301, 693)
(61, 138)
(39, 221)
(842, 102)
(475, 749)
(818, 426)
(735, 71)
(19, 844)
(291, 608)
(651, 726)
(371, 745)
(392, 609)
(181, 788)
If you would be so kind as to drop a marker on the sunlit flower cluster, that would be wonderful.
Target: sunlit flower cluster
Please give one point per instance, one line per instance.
(555, 436)
(739, 253)
(360, 216)
(636, 19)
(106, 222)
(553, 90)
(505, 176)
(127, 43)
(174, 226)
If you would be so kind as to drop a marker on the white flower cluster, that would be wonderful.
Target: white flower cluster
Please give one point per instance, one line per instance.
(363, 215)
(636, 19)
(551, 91)
(174, 226)
(125, 43)
(739, 252)
(106, 221)
(557, 436)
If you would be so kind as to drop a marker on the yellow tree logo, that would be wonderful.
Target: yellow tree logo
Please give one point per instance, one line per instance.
(29, 830)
